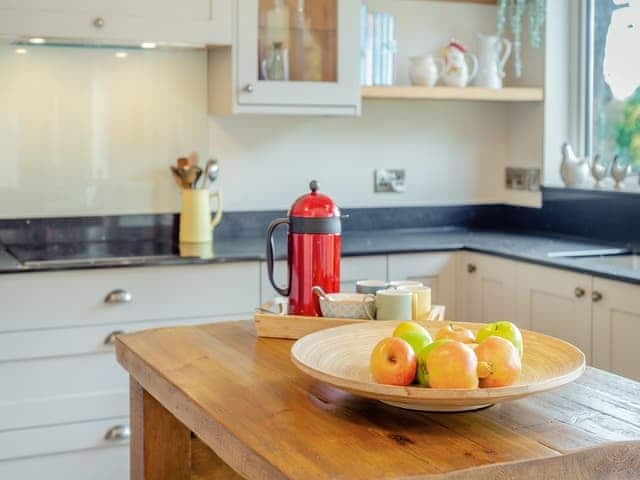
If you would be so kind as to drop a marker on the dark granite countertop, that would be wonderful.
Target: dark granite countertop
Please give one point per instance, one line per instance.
(524, 246)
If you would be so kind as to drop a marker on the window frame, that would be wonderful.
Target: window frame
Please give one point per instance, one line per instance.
(584, 121)
(587, 22)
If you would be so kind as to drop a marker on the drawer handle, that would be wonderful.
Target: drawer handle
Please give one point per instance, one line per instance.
(118, 296)
(111, 338)
(118, 433)
(596, 296)
(579, 292)
(98, 22)
(471, 268)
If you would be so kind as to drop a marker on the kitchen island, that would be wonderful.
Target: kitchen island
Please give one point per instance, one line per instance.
(214, 401)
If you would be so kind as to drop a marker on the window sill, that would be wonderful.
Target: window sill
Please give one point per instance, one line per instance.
(630, 187)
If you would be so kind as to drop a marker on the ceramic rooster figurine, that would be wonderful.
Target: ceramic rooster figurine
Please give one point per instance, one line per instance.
(574, 170)
(619, 171)
(456, 71)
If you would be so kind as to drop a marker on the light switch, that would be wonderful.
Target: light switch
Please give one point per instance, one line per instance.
(389, 180)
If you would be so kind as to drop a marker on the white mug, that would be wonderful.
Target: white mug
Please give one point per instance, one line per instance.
(392, 304)
(421, 301)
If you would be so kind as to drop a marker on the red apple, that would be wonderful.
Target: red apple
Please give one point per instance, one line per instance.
(456, 333)
(393, 362)
(452, 365)
(499, 362)
(505, 330)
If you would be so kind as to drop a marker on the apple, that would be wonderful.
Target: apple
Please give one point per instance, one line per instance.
(453, 365)
(417, 340)
(422, 375)
(457, 333)
(393, 362)
(405, 327)
(505, 330)
(499, 362)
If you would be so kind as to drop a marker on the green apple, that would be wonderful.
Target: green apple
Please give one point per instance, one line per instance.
(405, 327)
(417, 340)
(506, 330)
(421, 372)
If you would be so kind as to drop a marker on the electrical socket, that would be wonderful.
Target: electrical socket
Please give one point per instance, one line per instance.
(389, 180)
(523, 179)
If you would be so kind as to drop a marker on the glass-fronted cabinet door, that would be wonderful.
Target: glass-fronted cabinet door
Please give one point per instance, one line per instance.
(299, 53)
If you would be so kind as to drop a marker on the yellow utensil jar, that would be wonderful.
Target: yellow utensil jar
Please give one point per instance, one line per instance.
(196, 224)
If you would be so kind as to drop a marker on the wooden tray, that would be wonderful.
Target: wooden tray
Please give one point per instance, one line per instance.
(340, 357)
(293, 327)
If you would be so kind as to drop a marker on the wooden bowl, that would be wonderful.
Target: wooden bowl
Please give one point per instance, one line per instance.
(340, 357)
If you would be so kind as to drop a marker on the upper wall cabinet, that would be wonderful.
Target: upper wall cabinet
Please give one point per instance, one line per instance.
(289, 56)
(188, 22)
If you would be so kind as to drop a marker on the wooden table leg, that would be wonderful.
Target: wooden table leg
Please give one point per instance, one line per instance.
(160, 444)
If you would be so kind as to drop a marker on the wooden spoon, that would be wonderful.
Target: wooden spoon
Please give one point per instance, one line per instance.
(183, 163)
(193, 159)
(192, 175)
(178, 176)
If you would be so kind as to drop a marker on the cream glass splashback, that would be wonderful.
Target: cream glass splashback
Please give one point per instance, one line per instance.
(88, 131)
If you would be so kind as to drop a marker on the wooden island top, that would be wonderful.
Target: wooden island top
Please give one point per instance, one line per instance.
(215, 402)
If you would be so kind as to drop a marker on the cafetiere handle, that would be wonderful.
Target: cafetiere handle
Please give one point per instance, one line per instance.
(270, 248)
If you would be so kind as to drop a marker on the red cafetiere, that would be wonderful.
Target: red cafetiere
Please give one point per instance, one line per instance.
(313, 256)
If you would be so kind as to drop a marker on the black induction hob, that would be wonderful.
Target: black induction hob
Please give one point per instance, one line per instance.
(92, 253)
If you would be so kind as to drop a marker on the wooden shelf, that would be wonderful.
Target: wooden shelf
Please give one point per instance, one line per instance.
(406, 92)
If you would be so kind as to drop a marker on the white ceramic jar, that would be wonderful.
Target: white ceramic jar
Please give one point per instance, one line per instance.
(425, 70)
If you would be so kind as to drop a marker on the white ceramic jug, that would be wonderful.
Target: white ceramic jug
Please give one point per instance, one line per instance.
(456, 71)
(493, 53)
(425, 70)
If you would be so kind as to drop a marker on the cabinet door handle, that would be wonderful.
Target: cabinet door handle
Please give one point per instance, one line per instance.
(471, 268)
(579, 292)
(249, 88)
(98, 22)
(118, 296)
(118, 433)
(111, 338)
(596, 296)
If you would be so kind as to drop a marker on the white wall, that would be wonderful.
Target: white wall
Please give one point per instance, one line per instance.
(85, 133)
(453, 153)
(561, 78)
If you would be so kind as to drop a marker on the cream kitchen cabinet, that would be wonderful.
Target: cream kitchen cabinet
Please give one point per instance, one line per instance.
(555, 302)
(362, 268)
(189, 22)
(82, 298)
(95, 464)
(290, 60)
(599, 316)
(64, 399)
(616, 327)
(487, 287)
(280, 275)
(435, 270)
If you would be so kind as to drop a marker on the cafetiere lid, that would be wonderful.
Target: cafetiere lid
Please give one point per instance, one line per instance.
(314, 205)
(315, 212)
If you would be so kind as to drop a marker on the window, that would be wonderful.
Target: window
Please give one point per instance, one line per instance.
(615, 80)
